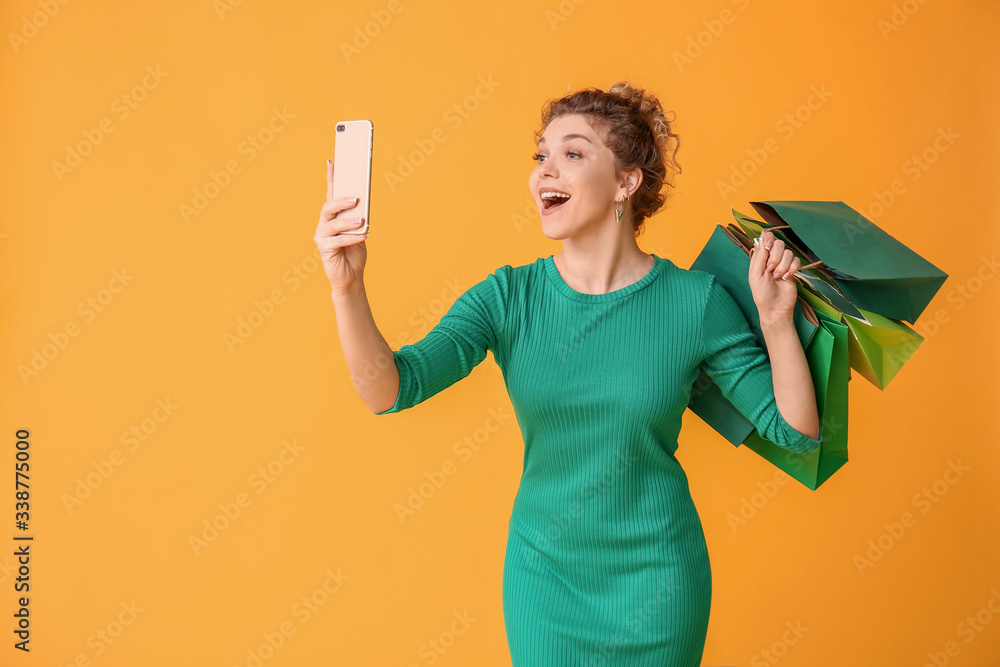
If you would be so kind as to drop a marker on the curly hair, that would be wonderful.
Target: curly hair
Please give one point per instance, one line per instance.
(636, 131)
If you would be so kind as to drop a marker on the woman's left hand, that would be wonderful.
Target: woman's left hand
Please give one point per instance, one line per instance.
(770, 261)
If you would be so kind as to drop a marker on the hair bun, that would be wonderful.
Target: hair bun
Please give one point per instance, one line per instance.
(648, 107)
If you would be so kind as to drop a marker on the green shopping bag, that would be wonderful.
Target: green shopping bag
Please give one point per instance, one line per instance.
(825, 346)
(877, 346)
(872, 269)
(827, 358)
(730, 264)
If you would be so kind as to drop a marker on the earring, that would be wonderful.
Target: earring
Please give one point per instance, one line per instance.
(620, 208)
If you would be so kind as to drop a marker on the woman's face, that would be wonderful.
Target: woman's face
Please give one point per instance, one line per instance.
(574, 162)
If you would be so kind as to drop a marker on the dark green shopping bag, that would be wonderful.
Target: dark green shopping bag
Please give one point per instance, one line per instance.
(731, 265)
(873, 270)
(825, 347)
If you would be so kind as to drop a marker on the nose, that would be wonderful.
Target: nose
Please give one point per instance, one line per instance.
(546, 168)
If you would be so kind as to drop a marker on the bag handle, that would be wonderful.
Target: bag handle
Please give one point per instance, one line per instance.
(737, 236)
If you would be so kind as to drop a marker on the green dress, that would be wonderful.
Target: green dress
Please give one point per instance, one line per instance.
(606, 561)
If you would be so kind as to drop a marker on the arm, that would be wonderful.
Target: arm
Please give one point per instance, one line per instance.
(733, 359)
(453, 347)
(369, 358)
(794, 393)
(772, 267)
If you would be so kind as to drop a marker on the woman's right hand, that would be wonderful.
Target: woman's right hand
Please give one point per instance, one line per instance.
(343, 255)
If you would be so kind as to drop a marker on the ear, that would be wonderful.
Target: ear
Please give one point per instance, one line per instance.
(630, 183)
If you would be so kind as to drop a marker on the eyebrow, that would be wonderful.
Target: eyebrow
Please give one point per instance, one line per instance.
(568, 137)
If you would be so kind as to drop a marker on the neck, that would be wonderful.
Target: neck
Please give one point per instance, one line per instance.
(598, 269)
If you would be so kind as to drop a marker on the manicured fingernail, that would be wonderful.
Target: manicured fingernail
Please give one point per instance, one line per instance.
(328, 161)
(787, 273)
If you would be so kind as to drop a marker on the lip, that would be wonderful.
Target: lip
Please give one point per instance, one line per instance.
(549, 211)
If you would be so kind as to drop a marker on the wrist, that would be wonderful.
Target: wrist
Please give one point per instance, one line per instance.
(776, 319)
(347, 291)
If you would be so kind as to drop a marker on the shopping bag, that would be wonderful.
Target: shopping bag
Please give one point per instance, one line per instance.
(872, 269)
(825, 345)
(878, 346)
(827, 358)
(724, 258)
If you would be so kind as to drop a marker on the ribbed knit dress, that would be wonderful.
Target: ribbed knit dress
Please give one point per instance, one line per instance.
(606, 560)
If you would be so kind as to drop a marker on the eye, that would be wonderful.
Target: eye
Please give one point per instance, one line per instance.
(538, 158)
(569, 153)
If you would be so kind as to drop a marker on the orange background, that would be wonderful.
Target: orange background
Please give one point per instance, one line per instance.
(894, 75)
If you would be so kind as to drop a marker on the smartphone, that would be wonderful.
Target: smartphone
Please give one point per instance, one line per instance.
(352, 168)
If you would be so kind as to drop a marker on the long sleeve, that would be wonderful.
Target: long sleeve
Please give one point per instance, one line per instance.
(456, 344)
(742, 370)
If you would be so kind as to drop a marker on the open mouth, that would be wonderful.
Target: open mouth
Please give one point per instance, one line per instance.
(553, 199)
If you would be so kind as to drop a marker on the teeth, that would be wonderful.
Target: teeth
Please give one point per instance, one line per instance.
(552, 195)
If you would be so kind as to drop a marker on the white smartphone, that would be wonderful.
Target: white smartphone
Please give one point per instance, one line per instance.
(352, 168)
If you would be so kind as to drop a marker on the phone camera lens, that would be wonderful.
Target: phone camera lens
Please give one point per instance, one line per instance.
(340, 128)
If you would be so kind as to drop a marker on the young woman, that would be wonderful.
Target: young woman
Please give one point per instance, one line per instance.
(599, 345)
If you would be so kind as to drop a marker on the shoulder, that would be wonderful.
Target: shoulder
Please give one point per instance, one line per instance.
(507, 272)
(690, 277)
(692, 285)
(519, 279)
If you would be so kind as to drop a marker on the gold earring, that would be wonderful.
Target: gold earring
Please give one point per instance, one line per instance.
(620, 208)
